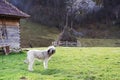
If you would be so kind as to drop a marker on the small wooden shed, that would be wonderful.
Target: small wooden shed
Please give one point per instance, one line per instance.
(9, 25)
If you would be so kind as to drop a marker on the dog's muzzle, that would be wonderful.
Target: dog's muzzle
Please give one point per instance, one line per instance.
(53, 51)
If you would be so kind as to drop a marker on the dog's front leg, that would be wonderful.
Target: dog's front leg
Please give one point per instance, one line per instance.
(45, 63)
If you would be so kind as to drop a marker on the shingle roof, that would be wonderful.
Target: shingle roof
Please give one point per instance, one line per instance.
(7, 9)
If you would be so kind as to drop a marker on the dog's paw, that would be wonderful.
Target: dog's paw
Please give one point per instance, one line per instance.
(45, 68)
(30, 70)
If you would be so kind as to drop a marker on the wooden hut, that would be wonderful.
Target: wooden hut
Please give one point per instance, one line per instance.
(9, 25)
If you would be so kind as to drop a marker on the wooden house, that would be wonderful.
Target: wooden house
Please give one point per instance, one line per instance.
(9, 25)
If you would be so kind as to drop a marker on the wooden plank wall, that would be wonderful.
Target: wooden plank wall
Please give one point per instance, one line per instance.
(13, 39)
(13, 33)
(10, 22)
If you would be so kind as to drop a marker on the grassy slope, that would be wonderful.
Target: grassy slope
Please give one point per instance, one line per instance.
(39, 35)
(99, 42)
(66, 64)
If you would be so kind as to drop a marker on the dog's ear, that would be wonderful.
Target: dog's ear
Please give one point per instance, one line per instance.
(51, 51)
(48, 51)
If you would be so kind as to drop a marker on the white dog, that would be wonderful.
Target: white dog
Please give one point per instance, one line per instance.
(39, 54)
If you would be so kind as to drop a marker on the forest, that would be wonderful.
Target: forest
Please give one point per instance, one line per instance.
(91, 18)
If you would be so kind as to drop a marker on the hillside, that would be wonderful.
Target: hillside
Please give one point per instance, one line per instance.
(39, 36)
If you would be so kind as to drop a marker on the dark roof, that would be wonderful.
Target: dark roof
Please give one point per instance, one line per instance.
(7, 9)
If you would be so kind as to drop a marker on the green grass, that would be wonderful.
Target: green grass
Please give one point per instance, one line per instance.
(87, 42)
(68, 63)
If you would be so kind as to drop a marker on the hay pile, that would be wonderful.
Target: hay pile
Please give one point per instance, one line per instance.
(67, 35)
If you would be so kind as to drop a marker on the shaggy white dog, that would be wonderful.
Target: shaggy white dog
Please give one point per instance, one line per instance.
(39, 54)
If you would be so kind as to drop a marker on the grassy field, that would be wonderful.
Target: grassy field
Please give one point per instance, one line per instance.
(87, 42)
(69, 63)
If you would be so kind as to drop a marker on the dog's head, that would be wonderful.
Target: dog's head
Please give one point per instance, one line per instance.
(51, 50)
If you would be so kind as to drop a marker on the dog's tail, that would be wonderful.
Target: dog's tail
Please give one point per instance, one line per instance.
(26, 61)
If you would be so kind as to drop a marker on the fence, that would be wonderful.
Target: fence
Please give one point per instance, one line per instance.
(66, 43)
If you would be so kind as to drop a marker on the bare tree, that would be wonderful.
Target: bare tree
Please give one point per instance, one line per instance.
(75, 8)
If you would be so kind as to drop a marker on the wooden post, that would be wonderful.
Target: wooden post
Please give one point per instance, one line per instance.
(7, 50)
